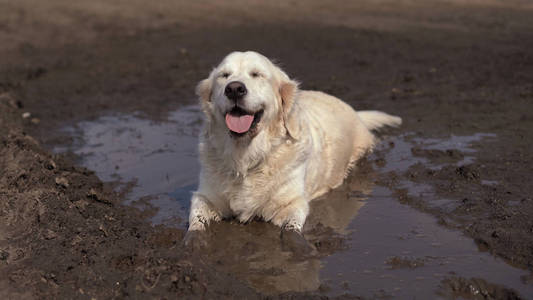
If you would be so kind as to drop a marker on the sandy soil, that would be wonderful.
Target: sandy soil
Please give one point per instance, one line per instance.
(446, 67)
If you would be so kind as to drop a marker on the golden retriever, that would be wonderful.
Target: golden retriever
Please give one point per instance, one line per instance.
(268, 148)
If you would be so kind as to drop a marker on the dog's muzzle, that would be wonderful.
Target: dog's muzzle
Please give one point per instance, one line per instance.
(235, 90)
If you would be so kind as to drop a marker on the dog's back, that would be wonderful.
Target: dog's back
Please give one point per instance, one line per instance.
(339, 137)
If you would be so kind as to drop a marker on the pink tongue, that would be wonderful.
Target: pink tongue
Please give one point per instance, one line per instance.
(239, 124)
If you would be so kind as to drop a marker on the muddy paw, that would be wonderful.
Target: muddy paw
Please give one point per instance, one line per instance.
(195, 240)
(293, 241)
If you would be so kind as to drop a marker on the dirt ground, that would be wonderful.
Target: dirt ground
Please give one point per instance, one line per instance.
(446, 67)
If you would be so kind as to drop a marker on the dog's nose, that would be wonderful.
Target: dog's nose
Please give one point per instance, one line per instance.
(235, 90)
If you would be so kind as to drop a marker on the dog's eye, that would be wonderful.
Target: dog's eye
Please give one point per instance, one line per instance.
(225, 74)
(255, 74)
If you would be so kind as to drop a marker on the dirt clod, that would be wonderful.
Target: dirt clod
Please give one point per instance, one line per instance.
(62, 181)
(475, 288)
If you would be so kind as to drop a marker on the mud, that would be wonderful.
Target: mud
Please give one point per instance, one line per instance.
(442, 209)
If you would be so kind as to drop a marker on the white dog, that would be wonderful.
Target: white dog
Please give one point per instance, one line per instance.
(268, 148)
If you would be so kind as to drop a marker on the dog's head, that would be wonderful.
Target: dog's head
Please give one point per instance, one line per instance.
(247, 94)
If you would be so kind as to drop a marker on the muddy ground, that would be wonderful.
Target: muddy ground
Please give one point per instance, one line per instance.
(445, 67)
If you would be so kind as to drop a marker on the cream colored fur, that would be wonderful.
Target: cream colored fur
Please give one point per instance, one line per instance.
(304, 145)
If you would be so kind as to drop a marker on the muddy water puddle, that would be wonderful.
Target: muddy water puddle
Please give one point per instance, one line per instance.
(158, 158)
(367, 243)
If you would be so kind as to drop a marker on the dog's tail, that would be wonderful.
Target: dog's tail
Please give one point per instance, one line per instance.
(374, 119)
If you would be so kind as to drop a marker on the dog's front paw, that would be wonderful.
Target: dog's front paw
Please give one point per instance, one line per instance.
(294, 242)
(195, 240)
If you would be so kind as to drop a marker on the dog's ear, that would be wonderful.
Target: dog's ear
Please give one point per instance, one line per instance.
(203, 90)
(288, 90)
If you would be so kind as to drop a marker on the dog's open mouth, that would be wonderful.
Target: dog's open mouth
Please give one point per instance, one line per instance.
(240, 121)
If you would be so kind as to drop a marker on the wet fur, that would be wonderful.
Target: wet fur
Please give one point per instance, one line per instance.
(304, 146)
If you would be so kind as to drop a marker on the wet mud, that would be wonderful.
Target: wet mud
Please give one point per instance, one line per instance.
(354, 247)
(98, 126)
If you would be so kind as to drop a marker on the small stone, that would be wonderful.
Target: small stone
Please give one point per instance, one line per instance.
(50, 234)
(4, 255)
(35, 121)
(62, 181)
(26, 115)
(103, 230)
(76, 240)
(51, 165)
(92, 194)
(81, 204)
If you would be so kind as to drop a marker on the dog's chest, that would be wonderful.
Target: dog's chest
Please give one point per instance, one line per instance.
(246, 195)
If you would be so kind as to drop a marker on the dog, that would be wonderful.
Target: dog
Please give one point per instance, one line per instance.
(268, 148)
